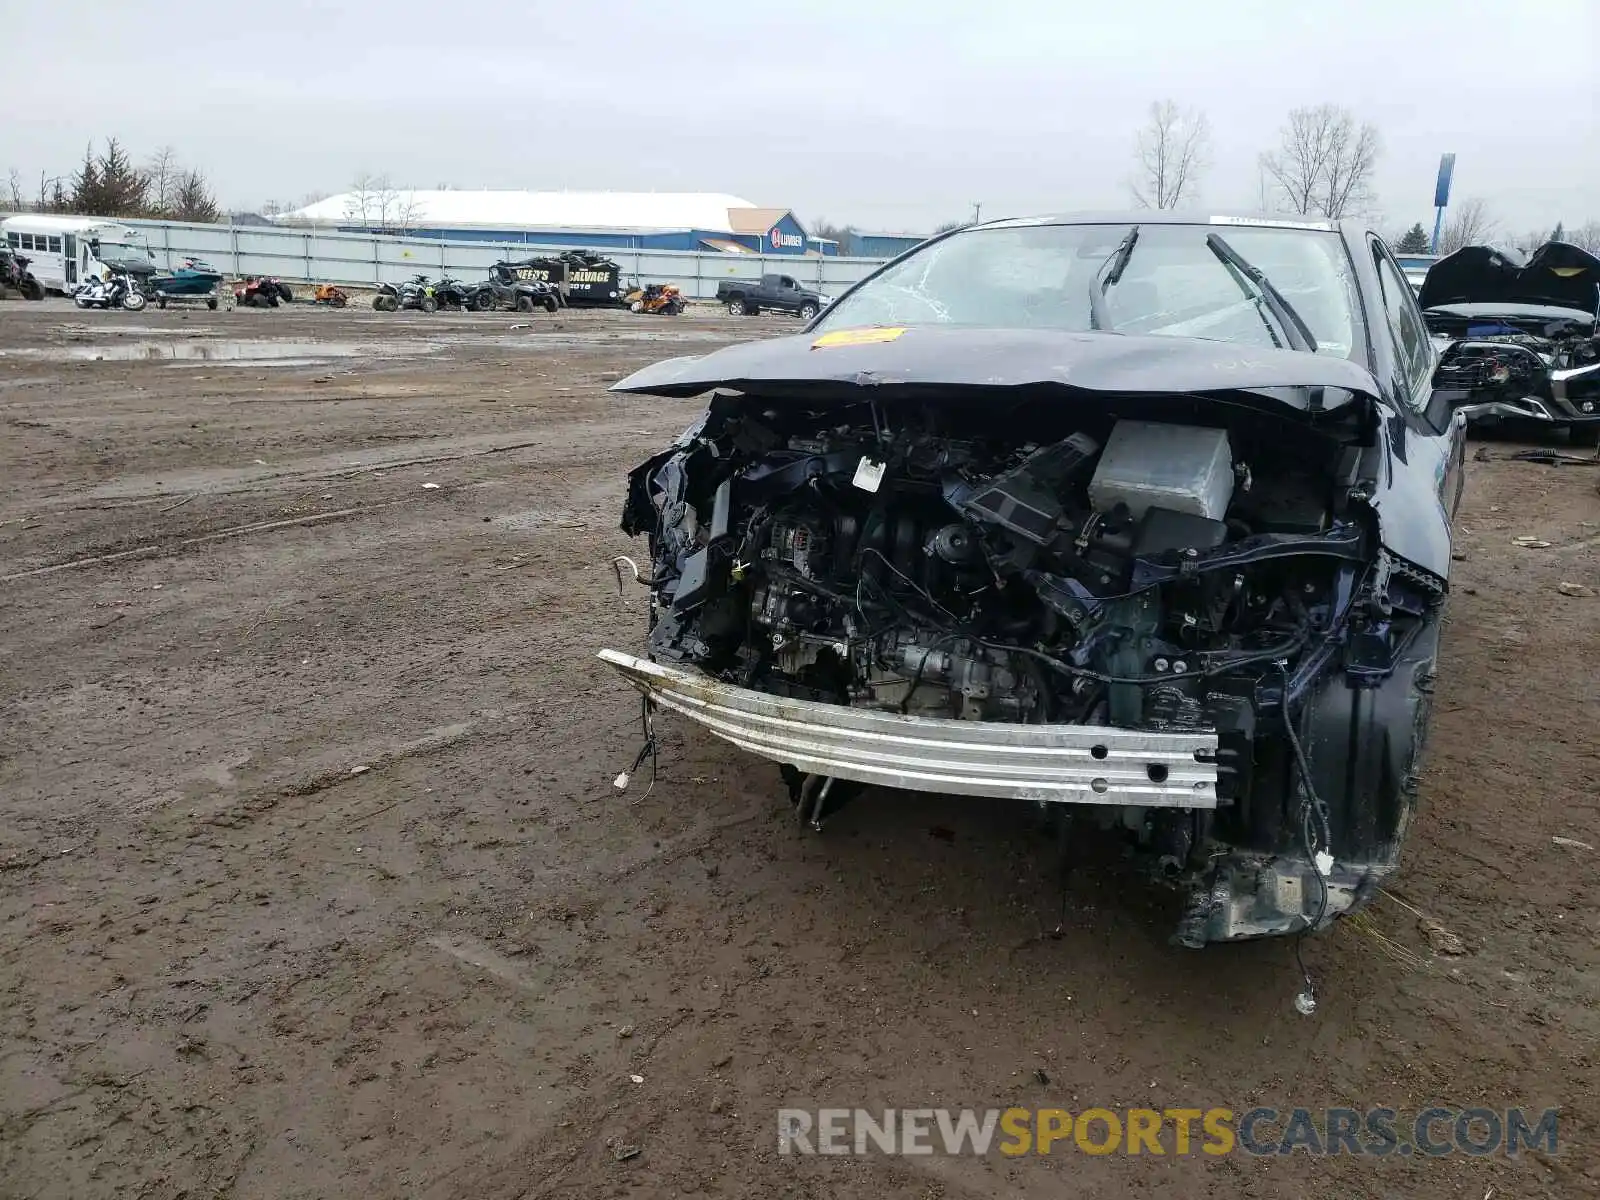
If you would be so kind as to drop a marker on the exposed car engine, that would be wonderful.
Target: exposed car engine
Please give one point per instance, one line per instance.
(1124, 571)
(1509, 353)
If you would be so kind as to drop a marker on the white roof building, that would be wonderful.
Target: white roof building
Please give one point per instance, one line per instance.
(513, 210)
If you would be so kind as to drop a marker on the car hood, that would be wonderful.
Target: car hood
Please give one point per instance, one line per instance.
(1557, 273)
(903, 363)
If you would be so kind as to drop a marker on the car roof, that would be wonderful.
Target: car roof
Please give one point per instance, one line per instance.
(1145, 216)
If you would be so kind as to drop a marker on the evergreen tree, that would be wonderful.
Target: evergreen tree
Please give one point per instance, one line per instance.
(1558, 234)
(122, 185)
(87, 195)
(1415, 241)
(194, 201)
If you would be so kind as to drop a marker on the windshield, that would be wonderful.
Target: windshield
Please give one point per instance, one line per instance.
(108, 251)
(1170, 283)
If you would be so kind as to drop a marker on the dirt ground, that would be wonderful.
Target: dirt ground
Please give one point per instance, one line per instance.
(313, 881)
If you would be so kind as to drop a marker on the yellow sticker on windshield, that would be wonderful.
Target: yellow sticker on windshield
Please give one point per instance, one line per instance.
(855, 337)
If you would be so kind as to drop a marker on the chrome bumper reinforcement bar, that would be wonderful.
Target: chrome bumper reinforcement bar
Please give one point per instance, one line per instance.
(1070, 764)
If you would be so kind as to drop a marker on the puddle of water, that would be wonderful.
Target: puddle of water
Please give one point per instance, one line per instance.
(262, 363)
(260, 350)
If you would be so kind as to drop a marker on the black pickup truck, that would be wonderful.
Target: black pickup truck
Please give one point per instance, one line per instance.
(780, 293)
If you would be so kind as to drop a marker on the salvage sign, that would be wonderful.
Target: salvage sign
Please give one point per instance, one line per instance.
(592, 285)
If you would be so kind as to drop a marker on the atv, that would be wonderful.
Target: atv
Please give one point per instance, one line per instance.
(663, 298)
(452, 293)
(333, 297)
(262, 291)
(14, 273)
(415, 292)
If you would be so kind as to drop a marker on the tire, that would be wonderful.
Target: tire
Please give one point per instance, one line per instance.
(134, 301)
(738, 308)
(285, 294)
(807, 312)
(384, 302)
(211, 303)
(674, 308)
(161, 302)
(428, 304)
(551, 304)
(525, 304)
(31, 289)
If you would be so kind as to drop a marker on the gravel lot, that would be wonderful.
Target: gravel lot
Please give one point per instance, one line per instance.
(313, 882)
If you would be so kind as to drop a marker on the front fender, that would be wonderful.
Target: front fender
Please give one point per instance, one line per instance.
(1413, 496)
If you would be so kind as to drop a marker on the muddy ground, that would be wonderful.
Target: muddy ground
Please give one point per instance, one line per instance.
(313, 882)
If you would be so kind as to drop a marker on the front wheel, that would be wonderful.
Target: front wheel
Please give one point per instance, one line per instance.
(808, 312)
(285, 294)
(133, 301)
(161, 302)
(211, 303)
(428, 304)
(737, 308)
(525, 304)
(83, 302)
(31, 289)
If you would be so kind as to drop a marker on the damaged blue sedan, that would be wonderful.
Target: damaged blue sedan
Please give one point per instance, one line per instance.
(1140, 519)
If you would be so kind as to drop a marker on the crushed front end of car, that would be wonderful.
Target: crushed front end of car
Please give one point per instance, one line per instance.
(1144, 578)
(1524, 337)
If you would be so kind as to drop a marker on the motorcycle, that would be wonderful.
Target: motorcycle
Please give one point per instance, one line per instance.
(116, 289)
(262, 291)
(14, 273)
(415, 292)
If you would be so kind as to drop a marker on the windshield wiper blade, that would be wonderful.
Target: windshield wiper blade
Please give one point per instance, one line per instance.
(1294, 325)
(1109, 273)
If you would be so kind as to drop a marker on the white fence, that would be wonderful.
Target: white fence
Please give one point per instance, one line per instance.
(364, 260)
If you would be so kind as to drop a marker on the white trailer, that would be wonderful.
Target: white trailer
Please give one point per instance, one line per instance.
(67, 250)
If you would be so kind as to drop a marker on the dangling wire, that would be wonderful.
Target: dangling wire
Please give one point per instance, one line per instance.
(1312, 811)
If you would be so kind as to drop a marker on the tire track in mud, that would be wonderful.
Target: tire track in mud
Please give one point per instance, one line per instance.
(181, 544)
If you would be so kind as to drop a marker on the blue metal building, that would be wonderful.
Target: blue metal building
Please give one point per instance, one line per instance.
(594, 220)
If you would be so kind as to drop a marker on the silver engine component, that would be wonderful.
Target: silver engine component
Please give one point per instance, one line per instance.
(1183, 468)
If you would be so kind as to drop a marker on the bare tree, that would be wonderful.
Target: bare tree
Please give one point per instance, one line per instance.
(14, 198)
(1324, 162)
(1171, 152)
(165, 175)
(1585, 236)
(361, 204)
(376, 203)
(408, 211)
(1470, 224)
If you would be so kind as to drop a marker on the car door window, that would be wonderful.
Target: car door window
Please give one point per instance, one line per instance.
(1413, 350)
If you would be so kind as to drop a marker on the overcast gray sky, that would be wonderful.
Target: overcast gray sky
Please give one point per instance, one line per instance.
(887, 114)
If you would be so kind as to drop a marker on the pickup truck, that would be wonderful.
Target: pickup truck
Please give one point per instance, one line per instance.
(780, 293)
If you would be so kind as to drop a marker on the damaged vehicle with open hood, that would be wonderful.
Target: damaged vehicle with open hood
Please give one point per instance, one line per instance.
(1524, 335)
(1143, 520)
